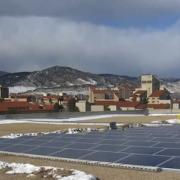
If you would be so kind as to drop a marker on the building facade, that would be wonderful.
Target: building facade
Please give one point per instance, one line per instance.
(4, 92)
(103, 94)
(149, 83)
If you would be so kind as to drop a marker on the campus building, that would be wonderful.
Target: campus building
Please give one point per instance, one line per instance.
(4, 92)
(149, 83)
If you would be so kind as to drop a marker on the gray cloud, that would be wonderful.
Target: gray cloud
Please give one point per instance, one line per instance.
(32, 43)
(92, 10)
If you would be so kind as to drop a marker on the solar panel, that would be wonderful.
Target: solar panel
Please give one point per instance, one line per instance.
(113, 137)
(114, 148)
(114, 141)
(44, 150)
(142, 150)
(18, 148)
(166, 140)
(173, 164)
(71, 153)
(32, 142)
(147, 146)
(79, 146)
(55, 144)
(105, 156)
(70, 139)
(140, 143)
(134, 138)
(89, 140)
(168, 145)
(170, 152)
(144, 160)
(42, 138)
(3, 146)
(162, 135)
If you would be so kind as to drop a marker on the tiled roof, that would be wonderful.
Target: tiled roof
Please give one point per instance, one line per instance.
(23, 106)
(136, 105)
(159, 106)
(140, 92)
(128, 104)
(107, 103)
(158, 93)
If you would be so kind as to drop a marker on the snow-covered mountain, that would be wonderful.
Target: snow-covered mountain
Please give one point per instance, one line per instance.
(58, 76)
(3, 73)
(66, 77)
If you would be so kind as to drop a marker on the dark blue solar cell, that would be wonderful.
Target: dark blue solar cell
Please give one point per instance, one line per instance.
(142, 150)
(72, 135)
(3, 146)
(113, 148)
(114, 141)
(54, 135)
(20, 140)
(13, 141)
(18, 148)
(79, 146)
(56, 144)
(163, 135)
(165, 139)
(136, 135)
(114, 137)
(92, 137)
(170, 152)
(26, 137)
(44, 150)
(140, 143)
(144, 160)
(139, 139)
(89, 140)
(168, 145)
(173, 164)
(104, 156)
(70, 139)
(32, 142)
(42, 138)
(71, 153)
(2, 140)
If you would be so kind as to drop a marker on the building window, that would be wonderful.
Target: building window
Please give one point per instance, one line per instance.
(108, 96)
(146, 82)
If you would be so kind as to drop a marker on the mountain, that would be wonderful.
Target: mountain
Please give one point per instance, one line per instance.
(13, 79)
(3, 73)
(66, 77)
(58, 76)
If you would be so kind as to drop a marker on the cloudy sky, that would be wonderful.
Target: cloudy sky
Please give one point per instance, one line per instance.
(126, 37)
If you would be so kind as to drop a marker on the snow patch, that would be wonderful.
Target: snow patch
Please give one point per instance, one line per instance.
(10, 121)
(22, 168)
(31, 170)
(173, 121)
(84, 118)
(92, 82)
(17, 135)
(20, 89)
(69, 83)
(82, 81)
(79, 175)
(163, 114)
(70, 131)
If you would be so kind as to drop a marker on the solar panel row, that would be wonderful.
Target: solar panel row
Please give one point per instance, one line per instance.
(138, 146)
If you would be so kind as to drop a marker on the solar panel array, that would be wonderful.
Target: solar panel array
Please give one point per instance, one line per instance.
(146, 146)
